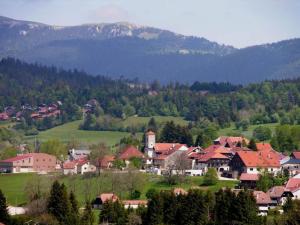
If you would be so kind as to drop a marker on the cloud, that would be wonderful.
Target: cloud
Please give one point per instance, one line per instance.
(110, 13)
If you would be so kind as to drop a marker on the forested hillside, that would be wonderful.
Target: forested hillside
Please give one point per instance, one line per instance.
(270, 101)
(123, 49)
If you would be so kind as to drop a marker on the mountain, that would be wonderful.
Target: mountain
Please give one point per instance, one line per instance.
(123, 49)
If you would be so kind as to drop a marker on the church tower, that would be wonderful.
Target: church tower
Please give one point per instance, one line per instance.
(150, 139)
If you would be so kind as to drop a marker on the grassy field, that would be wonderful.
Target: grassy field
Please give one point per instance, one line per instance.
(70, 131)
(249, 132)
(13, 185)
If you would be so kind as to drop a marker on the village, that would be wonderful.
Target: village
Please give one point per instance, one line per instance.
(227, 155)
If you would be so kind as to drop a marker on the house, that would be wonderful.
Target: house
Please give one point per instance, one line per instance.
(134, 204)
(292, 165)
(255, 162)
(248, 180)
(160, 156)
(228, 141)
(215, 160)
(75, 154)
(263, 202)
(30, 162)
(262, 146)
(4, 116)
(295, 155)
(107, 161)
(193, 153)
(104, 197)
(278, 194)
(216, 156)
(129, 153)
(79, 166)
(293, 185)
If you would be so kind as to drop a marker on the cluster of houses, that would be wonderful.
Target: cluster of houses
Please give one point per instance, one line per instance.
(228, 155)
(39, 112)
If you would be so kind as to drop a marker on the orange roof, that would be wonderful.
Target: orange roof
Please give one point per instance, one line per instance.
(293, 183)
(106, 160)
(131, 152)
(211, 155)
(162, 147)
(69, 165)
(231, 141)
(262, 198)
(296, 154)
(217, 148)
(249, 177)
(23, 156)
(108, 196)
(259, 159)
(276, 191)
(264, 146)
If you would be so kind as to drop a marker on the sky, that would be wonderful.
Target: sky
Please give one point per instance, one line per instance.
(239, 23)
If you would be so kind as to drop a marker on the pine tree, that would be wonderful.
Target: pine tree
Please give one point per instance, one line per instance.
(152, 125)
(4, 216)
(154, 214)
(58, 203)
(74, 212)
(88, 217)
(252, 145)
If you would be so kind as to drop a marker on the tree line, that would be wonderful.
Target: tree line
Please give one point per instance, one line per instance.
(269, 101)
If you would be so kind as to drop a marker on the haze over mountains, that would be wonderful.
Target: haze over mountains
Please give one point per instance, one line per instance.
(123, 49)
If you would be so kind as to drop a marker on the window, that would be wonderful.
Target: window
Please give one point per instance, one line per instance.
(251, 169)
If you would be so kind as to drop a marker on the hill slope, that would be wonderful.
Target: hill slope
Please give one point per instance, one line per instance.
(123, 49)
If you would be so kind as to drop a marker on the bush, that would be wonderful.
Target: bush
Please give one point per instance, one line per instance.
(135, 194)
(211, 177)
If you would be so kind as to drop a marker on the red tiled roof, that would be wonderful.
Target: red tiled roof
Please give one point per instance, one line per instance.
(69, 165)
(296, 154)
(276, 191)
(264, 146)
(163, 147)
(108, 196)
(231, 141)
(218, 148)
(20, 157)
(178, 146)
(135, 202)
(131, 152)
(17, 158)
(211, 155)
(106, 160)
(262, 198)
(249, 177)
(293, 183)
(259, 159)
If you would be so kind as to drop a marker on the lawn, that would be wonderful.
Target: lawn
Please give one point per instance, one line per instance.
(70, 131)
(13, 185)
(248, 133)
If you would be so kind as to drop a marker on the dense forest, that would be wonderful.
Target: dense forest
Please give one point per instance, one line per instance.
(221, 104)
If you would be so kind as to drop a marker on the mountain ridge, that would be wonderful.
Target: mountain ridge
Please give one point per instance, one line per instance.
(124, 49)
